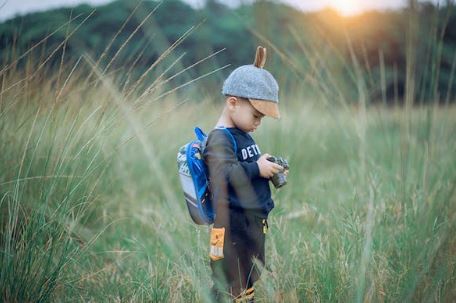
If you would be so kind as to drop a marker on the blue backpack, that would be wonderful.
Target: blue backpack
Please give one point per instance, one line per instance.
(193, 174)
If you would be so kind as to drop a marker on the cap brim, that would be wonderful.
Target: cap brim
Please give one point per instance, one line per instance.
(267, 108)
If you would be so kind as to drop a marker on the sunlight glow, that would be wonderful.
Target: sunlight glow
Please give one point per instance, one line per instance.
(347, 7)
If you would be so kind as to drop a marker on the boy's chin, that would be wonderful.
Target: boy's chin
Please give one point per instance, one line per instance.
(249, 130)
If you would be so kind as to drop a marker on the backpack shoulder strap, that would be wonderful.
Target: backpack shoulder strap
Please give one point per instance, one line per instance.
(229, 135)
(200, 135)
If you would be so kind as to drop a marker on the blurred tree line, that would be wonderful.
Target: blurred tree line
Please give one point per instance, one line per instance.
(309, 52)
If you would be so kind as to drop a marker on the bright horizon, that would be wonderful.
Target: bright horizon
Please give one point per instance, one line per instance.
(11, 8)
(344, 7)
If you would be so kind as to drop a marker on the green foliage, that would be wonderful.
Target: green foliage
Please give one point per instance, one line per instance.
(377, 39)
(90, 203)
(91, 207)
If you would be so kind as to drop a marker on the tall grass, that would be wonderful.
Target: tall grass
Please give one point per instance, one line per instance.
(91, 208)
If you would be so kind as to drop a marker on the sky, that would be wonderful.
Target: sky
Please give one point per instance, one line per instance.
(10, 8)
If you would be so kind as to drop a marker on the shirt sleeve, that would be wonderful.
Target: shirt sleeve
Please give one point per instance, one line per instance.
(221, 159)
(225, 170)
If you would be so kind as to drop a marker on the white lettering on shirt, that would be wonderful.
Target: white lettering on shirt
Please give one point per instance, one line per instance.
(250, 151)
(244, 154)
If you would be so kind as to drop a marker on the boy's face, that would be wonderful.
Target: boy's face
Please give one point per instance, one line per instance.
(244, 115)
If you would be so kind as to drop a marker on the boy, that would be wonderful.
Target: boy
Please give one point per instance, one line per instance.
(239, 181)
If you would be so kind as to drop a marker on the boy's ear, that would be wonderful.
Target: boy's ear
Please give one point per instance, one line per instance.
(231, 101)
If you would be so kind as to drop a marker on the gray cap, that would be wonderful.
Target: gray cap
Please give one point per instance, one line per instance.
(248, 81)
(257, 85)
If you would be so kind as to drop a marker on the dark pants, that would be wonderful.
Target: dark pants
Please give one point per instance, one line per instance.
(243, 247)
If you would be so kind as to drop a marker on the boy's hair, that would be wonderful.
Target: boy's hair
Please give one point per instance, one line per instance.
(256, 84)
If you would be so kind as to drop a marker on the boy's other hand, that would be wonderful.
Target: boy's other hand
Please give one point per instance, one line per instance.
(268, 168)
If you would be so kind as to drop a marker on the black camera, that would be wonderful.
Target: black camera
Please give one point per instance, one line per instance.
(279, 179)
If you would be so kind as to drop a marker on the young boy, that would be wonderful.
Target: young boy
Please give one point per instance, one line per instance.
(239, 181)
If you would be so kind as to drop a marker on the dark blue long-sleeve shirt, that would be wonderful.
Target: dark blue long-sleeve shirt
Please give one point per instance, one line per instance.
(234, 175)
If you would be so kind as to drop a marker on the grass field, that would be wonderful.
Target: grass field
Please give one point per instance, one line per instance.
(91, 208)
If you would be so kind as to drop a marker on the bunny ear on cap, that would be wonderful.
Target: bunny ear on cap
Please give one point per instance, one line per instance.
(266, 107)
(260, 57)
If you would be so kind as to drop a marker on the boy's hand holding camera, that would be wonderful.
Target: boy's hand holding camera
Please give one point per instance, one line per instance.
(268, 168)
(275, 168)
